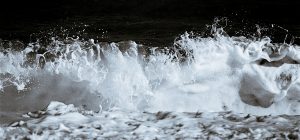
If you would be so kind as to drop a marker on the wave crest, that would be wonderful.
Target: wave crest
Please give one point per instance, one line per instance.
(197, 74)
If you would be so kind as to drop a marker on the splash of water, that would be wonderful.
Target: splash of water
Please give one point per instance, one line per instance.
(197, 74)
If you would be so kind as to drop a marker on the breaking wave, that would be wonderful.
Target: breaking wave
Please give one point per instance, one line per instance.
(218, 73)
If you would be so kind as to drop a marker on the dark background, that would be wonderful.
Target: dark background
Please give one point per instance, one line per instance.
(20, 19)
(282, 11)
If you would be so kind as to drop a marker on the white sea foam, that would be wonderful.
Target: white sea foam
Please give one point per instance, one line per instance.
(196, 74)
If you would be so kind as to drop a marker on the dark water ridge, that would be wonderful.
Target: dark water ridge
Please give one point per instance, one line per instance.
(155, 22)
(149, 31)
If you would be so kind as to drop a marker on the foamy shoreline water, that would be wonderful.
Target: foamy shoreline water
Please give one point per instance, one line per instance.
(60, 121)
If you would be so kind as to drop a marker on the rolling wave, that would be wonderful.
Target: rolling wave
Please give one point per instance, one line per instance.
(218, 73)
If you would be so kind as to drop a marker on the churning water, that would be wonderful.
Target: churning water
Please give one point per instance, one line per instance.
(210, 74)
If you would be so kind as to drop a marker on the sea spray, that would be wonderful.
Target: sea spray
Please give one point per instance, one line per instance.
(217, 73)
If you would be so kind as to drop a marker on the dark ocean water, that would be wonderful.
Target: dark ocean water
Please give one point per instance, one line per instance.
(155, 22)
